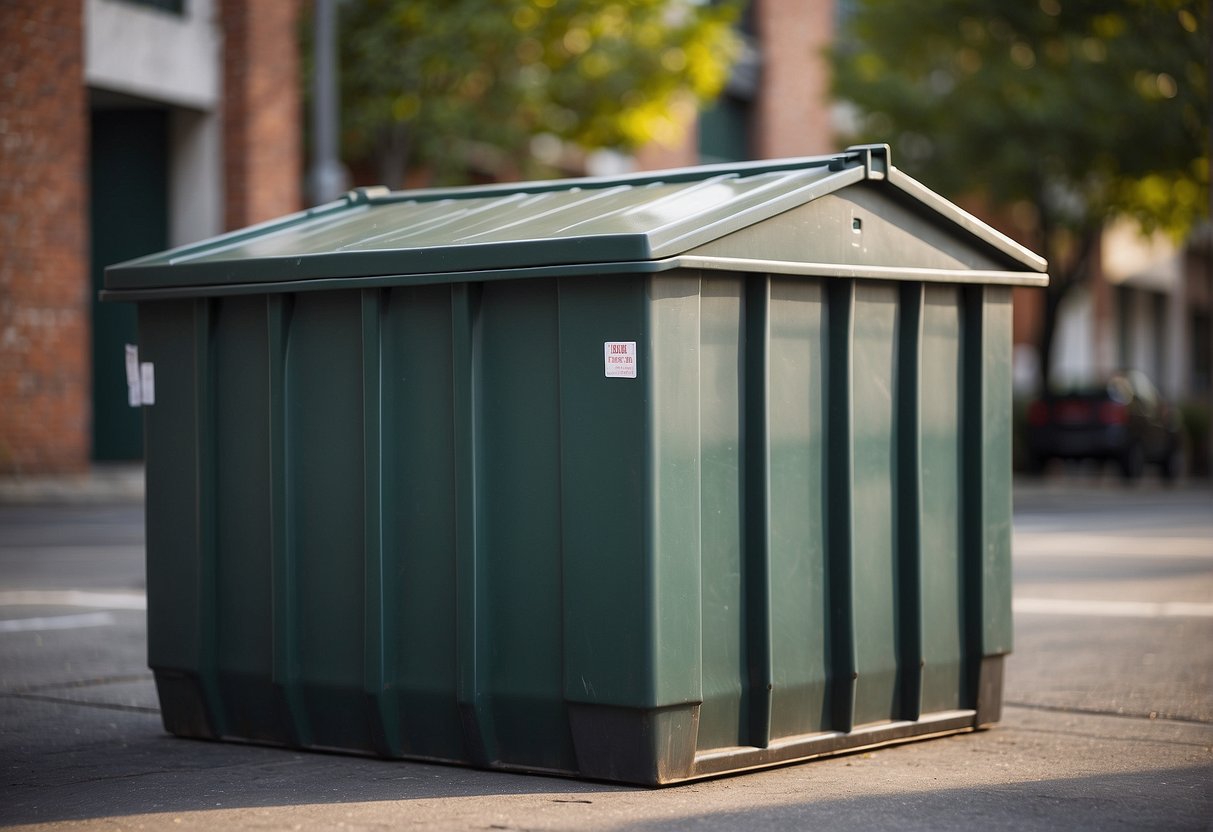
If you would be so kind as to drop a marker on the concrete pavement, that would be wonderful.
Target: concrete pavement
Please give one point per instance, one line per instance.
(1109, 721)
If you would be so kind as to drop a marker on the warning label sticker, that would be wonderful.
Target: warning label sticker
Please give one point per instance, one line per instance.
(620, 359)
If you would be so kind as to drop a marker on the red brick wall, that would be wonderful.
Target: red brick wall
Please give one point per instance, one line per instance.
(262, 132)
(792, 114)
(44, 279)
(792, 111)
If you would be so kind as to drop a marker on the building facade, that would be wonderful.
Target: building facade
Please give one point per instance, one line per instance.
(777, 103)
(126, 127)
(1147, 305)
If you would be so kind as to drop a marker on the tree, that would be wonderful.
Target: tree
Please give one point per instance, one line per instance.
(449, 86)
(1065, 113)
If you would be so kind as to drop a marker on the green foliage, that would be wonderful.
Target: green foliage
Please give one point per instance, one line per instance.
(434, 84)
(1076, 109)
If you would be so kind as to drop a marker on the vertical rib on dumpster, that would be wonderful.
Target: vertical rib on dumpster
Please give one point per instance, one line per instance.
(285, 595)
(470, 590)
(378, 625)
(209, 608)
(908, 503)
(839, 504)
(756, 611)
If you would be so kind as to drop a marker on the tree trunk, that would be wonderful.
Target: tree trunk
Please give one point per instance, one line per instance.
(1062, 278)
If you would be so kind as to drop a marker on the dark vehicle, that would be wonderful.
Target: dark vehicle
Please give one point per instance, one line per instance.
(1124, 420)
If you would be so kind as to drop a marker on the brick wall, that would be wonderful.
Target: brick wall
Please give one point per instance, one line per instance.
(792, 113)
(44, 279)
(262, 133)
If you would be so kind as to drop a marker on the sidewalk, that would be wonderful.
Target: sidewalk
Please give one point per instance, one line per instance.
(112, 483)
(1108, 723)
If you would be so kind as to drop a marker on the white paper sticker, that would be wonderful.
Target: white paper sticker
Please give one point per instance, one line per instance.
(620, 359)
(147, 382)
(134, 393)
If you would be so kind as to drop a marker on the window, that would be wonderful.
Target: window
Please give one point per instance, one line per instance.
(171, 6)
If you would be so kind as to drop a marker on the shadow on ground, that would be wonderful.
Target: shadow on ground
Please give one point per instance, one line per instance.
(1100, 802)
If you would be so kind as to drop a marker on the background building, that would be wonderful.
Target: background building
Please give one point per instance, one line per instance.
(128, 126)
(777, 102)
(125, 128)
(1146, 307)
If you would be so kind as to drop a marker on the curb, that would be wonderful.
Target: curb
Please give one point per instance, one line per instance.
(122, 483)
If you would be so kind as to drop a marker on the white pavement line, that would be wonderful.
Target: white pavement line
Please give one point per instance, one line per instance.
(117, 600)
(1112, 609)
(57, 622)
(1080, 545)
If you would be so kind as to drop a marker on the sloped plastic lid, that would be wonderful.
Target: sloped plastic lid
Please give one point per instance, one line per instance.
(612, 222)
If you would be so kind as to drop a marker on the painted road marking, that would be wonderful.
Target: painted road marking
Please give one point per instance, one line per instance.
(1053, 545)
(57, 622)
(1112, 609)
(114, 600)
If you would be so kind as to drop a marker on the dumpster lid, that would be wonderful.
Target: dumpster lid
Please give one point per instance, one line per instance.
(640, 223)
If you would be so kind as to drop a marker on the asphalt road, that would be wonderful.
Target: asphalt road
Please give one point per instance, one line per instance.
(1108, 723)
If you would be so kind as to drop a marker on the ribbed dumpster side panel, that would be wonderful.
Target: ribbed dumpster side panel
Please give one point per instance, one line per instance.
(996, 455)
(607, 583)
(723, 512)
(518, 498)
(795, 521)
(848, 592)
(987, 500)
(384, 539)
(174, 341)
(675, 450)
(874, 391)
(324, 474)
(942, 607)
(418, 519)
(382, 721)
(244, 533)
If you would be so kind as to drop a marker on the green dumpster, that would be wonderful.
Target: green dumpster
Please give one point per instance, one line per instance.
(642, 479)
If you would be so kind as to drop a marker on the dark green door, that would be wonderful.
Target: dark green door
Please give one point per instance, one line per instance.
(129, 210)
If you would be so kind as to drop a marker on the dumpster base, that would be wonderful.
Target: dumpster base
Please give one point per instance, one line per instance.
(811, 746)
(647, 747)
(635, 745)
